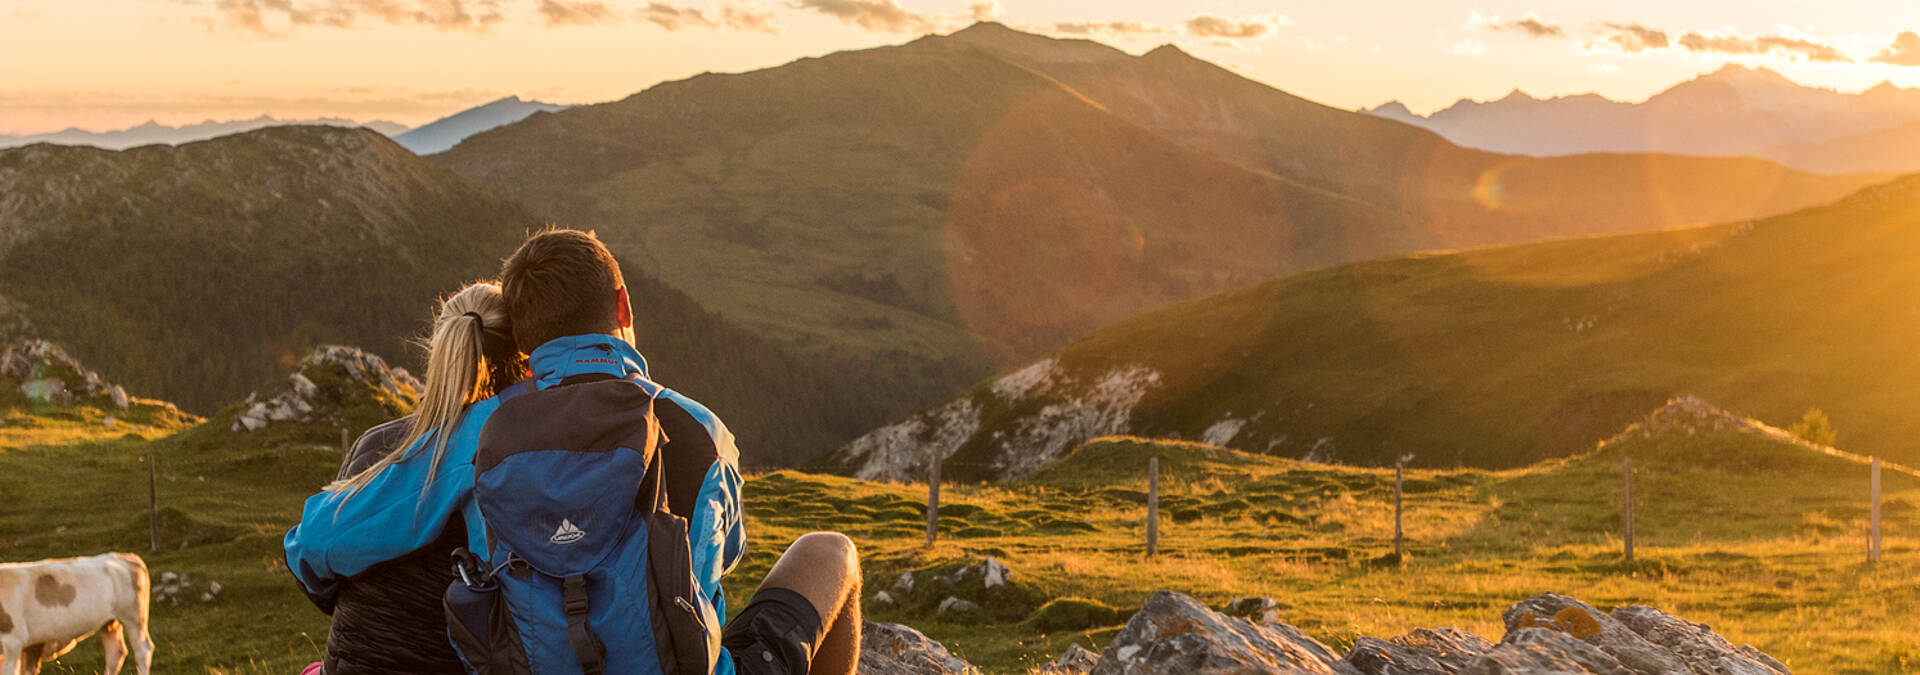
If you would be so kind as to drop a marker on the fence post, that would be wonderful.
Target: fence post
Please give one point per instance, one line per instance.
(1626, 480)
(1153, 506)
(1873, 545)
(1399, 549)
(346, 444)
(153, 505)
(933, 498)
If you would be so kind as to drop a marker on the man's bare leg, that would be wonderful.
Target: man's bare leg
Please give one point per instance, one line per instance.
(824, 568)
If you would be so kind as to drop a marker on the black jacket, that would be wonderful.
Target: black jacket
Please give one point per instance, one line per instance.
(389, 619)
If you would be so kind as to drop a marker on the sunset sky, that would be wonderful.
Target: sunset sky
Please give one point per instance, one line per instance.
(102, 64)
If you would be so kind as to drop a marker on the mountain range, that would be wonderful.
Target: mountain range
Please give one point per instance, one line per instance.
(153, 132)
(980, 198)
(814, 249)
(1495, 357)
(1735, 111)
(443, 133)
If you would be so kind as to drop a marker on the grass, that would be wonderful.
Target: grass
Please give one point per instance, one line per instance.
(1761, 540)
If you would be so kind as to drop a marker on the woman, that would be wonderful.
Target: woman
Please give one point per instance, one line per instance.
(372, 548)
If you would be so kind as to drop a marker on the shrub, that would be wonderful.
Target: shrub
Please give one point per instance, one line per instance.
(1814, 427)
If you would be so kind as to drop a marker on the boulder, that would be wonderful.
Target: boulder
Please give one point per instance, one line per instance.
(884, 599)
(1174, 633)
(991, 573)
(1426, 651)
(1077, 660)
(1695, 643)
(904, 584)
(954, 605)
(1581, 620)
(893, 649)
(1541, 651)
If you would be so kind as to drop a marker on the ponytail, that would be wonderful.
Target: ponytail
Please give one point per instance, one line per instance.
(460, 367)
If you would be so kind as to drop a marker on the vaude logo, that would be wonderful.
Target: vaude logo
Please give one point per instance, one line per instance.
(567, 533)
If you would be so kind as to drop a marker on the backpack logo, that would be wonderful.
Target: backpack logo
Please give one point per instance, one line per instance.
(567, 533)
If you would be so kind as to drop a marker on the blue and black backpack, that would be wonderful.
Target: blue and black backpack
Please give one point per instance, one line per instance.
(589, 572)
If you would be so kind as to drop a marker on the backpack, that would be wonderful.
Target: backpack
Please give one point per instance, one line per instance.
(590, 572)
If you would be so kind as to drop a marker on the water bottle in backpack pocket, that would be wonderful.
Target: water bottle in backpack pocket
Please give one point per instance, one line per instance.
(589, 572)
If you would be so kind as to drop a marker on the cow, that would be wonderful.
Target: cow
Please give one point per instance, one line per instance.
(47, 607)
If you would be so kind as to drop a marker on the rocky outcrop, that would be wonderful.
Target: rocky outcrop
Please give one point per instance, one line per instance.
(1174, 633)
(1426, 651)
(1695, 643)
(46, 374)
(893, 649)
(1077, 660)
(1581, 620)
(1547, 634)
(332, 383)
(1023, 420)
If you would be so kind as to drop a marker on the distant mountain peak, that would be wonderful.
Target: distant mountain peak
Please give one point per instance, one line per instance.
(1169, 51)
(1000, 37)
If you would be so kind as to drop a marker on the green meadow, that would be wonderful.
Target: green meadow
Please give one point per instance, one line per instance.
(1760, 538)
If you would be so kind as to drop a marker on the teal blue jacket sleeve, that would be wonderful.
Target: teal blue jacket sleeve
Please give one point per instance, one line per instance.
(403, 509)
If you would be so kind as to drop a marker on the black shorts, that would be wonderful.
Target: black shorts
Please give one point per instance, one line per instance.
(776, 634)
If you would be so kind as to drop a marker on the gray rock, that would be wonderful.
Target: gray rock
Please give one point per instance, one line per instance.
(893, 649)
(1174, 633)
(883, 599)
(990, 572)
(119, 397)
(299, 399)
(1542, 651)
(1260, 610)
(1704, 651)
(1077, 660)
(1581, 620)
(1426, 651)
(904, 584)
(953, 605)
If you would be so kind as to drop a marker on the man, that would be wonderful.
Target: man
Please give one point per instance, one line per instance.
(569, 308)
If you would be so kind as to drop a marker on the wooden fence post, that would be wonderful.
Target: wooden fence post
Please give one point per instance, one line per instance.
(1399, 548)
(153, 505)
(346, 444)
(1153, 506)
(933, 498)
(1873, 542)
(1626, 480)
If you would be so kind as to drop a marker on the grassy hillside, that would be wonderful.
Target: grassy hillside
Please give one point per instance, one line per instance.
(197, 273)
(188, 273)
(1772, 554)
(985, 197)
(1496, 357)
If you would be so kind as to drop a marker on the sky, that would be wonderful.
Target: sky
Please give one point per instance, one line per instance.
(106, 64)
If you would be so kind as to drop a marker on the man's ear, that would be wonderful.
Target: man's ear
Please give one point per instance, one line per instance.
(622, 308)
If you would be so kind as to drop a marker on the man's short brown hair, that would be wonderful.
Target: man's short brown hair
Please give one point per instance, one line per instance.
(560, 283)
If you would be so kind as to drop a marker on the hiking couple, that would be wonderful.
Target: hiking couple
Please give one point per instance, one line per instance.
(548, 508)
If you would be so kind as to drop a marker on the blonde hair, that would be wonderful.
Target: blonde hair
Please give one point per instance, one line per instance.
(460, 370)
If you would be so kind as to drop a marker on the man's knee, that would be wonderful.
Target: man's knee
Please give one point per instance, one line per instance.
(827, 547)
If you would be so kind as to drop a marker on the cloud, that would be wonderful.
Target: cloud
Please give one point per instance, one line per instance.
(577, 13)
(1110, 28)
(1736, 44)
(734, 17)
(886, 16)
(1467, 48)
(1905, 51)
(1209, 26)
(1633, 38)
(1532, 25)
(987, 10)
(277, 17)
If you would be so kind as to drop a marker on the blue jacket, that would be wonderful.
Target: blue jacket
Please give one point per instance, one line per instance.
(389, 518)
(339, 537)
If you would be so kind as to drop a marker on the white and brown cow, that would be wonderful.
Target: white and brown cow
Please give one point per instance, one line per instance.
(49, 606)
